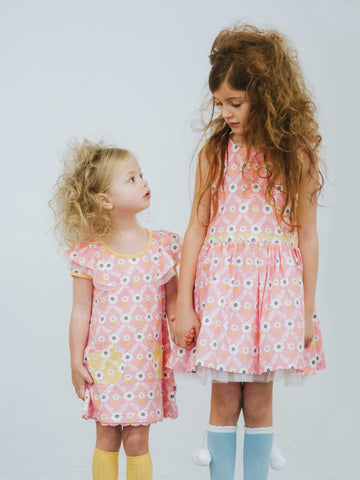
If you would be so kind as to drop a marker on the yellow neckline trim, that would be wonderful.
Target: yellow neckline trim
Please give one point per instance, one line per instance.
(135, 254)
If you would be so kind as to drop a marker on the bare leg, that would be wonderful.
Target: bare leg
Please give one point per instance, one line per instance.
(225, 403)
(136, 440)
(257, 404)
(108, 438)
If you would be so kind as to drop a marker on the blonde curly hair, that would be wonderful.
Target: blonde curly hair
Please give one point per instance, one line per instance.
(282, 121)
(89, 169)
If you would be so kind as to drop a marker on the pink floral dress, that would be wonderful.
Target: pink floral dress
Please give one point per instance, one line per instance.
(128, 341)
(248, 290)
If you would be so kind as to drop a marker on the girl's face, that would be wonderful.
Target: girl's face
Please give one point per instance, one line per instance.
(128, 193)
(234, 108)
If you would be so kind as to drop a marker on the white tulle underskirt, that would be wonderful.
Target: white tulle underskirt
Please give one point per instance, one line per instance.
(209, 375)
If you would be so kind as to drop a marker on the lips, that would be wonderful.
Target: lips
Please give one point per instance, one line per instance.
(147, 194)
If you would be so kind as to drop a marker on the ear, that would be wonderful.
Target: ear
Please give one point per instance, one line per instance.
(105, 200)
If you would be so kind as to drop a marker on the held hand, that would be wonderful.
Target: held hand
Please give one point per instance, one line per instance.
(80, 377)
(190, 337)
(171, 320)
(186, 328)
(309, 330)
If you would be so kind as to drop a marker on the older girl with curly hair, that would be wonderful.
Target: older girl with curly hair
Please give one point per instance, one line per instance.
(250, 256)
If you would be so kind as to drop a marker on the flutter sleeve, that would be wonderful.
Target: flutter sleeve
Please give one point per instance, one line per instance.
(80, 259)
(170, 250)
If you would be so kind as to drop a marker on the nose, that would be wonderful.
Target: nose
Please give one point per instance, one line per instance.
(226, 112)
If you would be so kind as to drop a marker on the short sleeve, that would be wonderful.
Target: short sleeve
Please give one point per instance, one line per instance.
(170, 250)
(80, 259)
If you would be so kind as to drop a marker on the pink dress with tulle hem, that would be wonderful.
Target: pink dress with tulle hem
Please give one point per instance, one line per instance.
(248, 291)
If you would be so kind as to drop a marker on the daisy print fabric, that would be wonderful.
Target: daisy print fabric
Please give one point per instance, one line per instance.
(128, 341)
(248, 290)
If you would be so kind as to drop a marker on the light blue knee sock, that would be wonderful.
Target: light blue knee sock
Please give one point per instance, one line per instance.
(257, 451)
(222, 446)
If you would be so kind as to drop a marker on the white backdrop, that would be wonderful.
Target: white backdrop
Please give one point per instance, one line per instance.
(133, 74)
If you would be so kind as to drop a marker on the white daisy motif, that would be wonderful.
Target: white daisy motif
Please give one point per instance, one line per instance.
(246, 328)
(137, 298)
(99, 375)
(116, 416)
(127, 357)
(248, 283)
(139, 337)
(289, 324)
(255, 228)
(267, 209)
(243, 208)
(125, 318)
(129, 396)
(235, 306)
(101, 265)
(113, 299)
(114, 338)
(275, 303)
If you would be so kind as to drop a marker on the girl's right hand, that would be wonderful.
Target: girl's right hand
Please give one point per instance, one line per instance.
(80, 377)
(186, 320)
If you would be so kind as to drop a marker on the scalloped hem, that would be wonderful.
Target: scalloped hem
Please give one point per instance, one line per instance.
(206, 375)
(125, 424)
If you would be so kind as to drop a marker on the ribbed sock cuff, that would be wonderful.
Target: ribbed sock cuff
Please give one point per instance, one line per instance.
(222, 429)
(105, 453)
(259, 431)
(137, 458)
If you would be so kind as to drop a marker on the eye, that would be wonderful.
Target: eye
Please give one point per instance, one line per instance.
(217, 103)
(141, 175)
(236, 105)
(132, 179)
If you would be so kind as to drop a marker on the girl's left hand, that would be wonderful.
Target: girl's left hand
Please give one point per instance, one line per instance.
(309, 330)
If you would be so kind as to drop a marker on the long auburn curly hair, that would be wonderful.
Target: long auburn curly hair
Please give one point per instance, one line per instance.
(281, 121)
(89, 169)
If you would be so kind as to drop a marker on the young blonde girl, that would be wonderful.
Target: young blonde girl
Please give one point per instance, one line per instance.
(125, 285)
(250, 255)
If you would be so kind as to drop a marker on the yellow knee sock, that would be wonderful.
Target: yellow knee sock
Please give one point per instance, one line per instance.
(105, 465)
(139, 468)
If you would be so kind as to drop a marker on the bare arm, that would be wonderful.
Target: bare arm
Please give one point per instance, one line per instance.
(186, 318)
(171, 289)
(309, 247)
(78, 332)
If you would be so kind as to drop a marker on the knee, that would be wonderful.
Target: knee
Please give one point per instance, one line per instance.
(225, 409)
(257, 412)
(135, 441)
(229, 406)
(108, 438)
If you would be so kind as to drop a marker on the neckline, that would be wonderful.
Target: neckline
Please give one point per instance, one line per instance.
(234, 143)
(135, 254)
